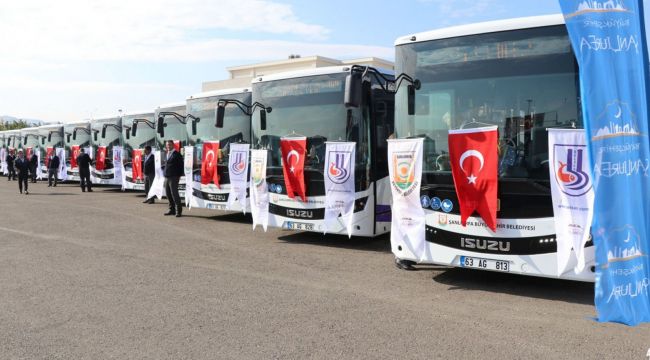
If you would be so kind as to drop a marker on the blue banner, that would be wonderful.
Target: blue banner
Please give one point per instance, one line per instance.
(608, 38)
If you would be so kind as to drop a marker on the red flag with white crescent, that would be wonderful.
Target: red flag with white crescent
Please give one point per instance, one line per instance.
(48, 154)
(100, 162)
(209, 161)
(136, 164)
(73, 157)
(293, 165)
(473, 156)
(29, 153)
(177, 145)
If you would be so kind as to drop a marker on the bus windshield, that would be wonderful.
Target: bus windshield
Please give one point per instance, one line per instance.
(236, 124)
(82, 137)
(523, 81)
(307, 106)
(174, 129)
(145, 134)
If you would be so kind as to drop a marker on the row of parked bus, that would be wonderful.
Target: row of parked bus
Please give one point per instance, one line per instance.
(519, 74)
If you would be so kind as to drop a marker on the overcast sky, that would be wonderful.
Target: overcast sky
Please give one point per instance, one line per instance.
(68, 60)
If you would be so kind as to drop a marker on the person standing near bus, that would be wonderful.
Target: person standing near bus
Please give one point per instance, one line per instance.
(83, 162)
(173, 172)
(33, 164)
(22, 167)
(149, 173)
(11, 170)
(53, 169)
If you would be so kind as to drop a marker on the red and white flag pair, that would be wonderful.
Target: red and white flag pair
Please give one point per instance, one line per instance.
(474, 158)
(136, 164)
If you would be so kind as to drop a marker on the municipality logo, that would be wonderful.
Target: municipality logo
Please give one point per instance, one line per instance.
(239, 164)
(338, 170)
(257, 171)
(569, 169)
(404, 170)
(593, 6)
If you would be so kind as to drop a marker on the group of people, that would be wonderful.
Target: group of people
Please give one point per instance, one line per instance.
(22, 169)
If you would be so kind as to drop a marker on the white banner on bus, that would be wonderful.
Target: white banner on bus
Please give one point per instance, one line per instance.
(339, 183)
(188, 169)
(259, 195)
(3, 161)
(63, 168)
(405, 174)
(119, 175)
(158, 185)
(39, 170)
(572, 193)
(238, 171)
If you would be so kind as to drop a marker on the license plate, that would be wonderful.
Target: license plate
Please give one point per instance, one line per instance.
(216, 206)
(485, 264)
(300, 226)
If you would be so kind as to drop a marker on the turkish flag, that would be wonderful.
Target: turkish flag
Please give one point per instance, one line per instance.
(293, 165)
(177, 145)
(73, 157)
(49, 151)
(136, 164)
(473, 156)
(29, 153)
(100, 162)
(209, 163)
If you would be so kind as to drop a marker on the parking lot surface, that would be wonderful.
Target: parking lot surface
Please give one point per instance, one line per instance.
(102, 276)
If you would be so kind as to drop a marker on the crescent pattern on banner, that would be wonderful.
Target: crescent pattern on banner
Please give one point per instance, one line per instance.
(291, 154)
(471, 179)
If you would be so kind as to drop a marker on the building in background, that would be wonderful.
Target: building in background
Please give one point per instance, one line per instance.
(241, 76)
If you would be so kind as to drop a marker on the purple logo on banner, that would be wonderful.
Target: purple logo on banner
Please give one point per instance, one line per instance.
(608, 38)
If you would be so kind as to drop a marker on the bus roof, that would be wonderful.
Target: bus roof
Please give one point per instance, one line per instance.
(171, 105)
(218, 93)
(134, 113)
(482, 28)
(311, 72)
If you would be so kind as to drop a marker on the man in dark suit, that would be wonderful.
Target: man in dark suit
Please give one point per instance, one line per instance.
(53, 169)
(11, 170)
(149, 173)
(33, 164)
(22, 167)
(173, 172)
(83, 162)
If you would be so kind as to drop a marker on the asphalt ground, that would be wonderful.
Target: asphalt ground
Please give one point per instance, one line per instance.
(102, 276)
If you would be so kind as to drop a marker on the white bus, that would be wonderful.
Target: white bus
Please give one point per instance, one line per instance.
(139, 131)
(171, 120)
(522, 76)
(31, 142)
(51, 138)
(106, 133)
(312, 103)
(201, 129)
(76, 137)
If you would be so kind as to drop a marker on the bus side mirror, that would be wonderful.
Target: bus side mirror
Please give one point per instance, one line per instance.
(95, 135)
(128, 133)
(221, 110)
(49, 137)
(353, 85)
(263, 119)
(103, 132)
(159, 125)
(68, 137)
(411, 99)
(134, 128)
(193, 127)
